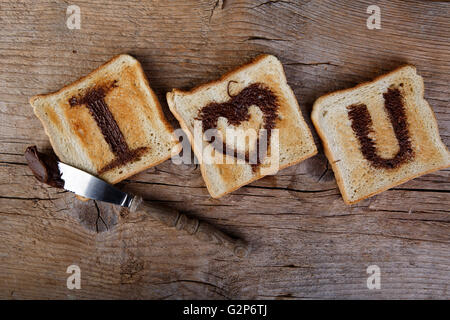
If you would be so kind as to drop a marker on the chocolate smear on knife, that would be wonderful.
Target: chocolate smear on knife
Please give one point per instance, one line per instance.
(44, 167)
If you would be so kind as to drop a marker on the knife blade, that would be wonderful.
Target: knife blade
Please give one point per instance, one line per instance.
(48, 169)
(89, 186)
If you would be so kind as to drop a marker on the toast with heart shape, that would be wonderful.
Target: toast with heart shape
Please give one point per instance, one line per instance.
(379, 134)
(243, 126)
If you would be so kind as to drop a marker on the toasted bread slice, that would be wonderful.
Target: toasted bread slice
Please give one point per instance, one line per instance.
(379, 134)
(229, 98)
(108, 123)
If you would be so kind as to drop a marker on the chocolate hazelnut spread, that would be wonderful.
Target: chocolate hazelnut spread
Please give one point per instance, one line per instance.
(362, 126)
(44, 167)
(236, 110)
(94, 99)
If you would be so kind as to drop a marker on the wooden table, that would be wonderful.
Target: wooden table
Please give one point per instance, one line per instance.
(306, 242)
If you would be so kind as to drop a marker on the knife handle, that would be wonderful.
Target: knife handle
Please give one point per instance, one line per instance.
(202, 230)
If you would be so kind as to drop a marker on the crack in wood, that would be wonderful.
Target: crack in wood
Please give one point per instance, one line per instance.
(355, 233)
(421, 220)
(28, 199)
(324, 172)
(261, 38)
(420, 190)
(14, 163)
(287, 296)
(287, 266)
(271, 2)
(216, 5)
(253, 195)
(12, 154)
(99, 217)
(216, 289)
(415, 212)
(289, 189)
(310, 64)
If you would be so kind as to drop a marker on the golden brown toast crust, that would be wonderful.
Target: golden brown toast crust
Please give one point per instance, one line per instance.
(134, 107)
(224, 76)
(198, 150)
(109, 62)
(333, 161)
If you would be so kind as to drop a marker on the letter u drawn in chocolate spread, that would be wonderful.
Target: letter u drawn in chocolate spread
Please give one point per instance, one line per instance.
(94, 99)
(236, 111)
(362, 126)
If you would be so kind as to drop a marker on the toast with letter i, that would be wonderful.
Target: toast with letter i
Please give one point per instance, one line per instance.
(108, 123)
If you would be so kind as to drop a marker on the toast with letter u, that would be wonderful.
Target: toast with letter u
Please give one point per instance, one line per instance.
(379, 134)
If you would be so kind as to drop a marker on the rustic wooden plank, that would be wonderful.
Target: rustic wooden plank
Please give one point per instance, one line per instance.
(306, 243)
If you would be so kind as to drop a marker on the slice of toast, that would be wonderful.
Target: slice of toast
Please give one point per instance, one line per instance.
(379, 134)
(255, 96)
(108, 123)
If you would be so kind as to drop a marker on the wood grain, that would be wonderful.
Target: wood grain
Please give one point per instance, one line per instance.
(305, 242)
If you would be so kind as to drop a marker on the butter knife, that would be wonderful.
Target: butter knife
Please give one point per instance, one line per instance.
(89, 186)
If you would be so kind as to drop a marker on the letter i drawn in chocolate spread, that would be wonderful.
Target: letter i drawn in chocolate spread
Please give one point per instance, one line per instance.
(94, 100)
(362, 126)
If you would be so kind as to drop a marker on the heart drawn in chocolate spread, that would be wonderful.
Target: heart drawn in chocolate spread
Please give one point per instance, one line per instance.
(236, 111)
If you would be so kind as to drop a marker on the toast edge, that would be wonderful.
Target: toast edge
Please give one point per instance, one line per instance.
(176, 148)
(198, 154)
(332, 161)
(172, 106)
(98, 69)
(377, 78)
(225, 75)
(83, 78)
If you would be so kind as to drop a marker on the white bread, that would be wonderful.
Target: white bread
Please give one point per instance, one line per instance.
(359, 177)
(77, 138)
(295, 140)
